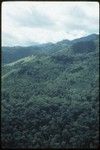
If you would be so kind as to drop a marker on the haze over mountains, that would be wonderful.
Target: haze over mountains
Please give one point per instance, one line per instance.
(50, 95)
(10, 54)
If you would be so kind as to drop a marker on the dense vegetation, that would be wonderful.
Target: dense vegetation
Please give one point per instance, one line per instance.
(51, 100)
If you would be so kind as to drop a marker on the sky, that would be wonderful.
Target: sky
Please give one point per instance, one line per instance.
(27, 23)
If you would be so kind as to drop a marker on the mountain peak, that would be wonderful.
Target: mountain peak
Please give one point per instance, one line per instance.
(86, 38)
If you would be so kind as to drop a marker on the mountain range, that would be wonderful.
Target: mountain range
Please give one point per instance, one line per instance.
(50, 95)
(10, 54)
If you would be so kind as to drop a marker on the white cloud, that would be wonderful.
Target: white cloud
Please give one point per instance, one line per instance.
(27, 22)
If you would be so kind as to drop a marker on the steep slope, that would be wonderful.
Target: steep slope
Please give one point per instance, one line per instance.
(52, 101)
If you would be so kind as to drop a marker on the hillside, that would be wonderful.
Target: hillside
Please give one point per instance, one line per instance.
(50, 95)
(10, 54)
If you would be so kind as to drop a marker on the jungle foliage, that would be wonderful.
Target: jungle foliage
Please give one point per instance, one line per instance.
(51, 100)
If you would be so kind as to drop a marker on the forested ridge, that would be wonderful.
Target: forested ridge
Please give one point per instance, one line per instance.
(50, 95)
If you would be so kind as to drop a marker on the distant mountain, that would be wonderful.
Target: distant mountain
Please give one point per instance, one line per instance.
(10, 54)
(91, 37)
(64, 42)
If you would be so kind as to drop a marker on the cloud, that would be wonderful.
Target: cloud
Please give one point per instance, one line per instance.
(31, 18)
(27, 22)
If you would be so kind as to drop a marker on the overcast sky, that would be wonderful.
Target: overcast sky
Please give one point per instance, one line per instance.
(24, 23)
